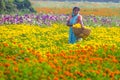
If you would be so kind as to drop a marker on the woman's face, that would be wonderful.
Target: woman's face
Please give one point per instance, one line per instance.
(75, 11)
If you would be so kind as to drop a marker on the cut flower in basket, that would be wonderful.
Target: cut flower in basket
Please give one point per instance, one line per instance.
(81, 32)
(78, 25)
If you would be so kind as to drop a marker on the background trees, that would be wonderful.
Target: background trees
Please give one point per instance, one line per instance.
(11, 6)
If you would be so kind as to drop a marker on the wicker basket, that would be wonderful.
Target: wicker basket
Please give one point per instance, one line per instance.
(81, 32)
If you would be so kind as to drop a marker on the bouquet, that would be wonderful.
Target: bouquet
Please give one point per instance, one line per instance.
(81, 32)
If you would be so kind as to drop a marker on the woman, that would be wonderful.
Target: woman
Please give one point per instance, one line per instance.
(75, 18)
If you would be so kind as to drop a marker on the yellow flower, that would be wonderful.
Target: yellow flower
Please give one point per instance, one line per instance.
(77, 25)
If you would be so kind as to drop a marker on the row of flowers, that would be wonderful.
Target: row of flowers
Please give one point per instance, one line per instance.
(48, 19)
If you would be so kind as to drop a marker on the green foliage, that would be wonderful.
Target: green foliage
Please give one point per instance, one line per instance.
(24, 5)
(12, 6)
(2, 6)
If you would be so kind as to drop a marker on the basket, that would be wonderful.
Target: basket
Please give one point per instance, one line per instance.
(81, 32)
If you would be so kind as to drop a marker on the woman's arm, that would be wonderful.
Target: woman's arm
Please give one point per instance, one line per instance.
(68, 21)
(80, 21)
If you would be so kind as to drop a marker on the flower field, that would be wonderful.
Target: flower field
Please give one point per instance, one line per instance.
(31, 52)
(35, 46)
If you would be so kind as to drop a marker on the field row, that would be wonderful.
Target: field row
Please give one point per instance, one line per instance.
(43, 19)
(84, 11)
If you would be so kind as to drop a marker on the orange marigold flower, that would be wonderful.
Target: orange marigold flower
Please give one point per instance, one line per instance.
(83, 50)
(55, 73)
(48, 54)
(48, 78)
(115, 60)
(55, 61)
(5, 44)
(107, 70)
(21, 51)
(112, 74)
(97, 72)
(56, 78)
(78, 45)
(58, 68)
(20, 45)
(1, 64)
(70, 51)
(104, 74)
(64, 61)
(62, 76)
(91, 62)
(41, 60)
(37, 55)
(80, 74)
(27, 59)
(13, 77)
(16, 69)
(67, 73)
(88, 79)
(1, 54)
(7, 72)
(117, 72)
(52, 65)
(28, 49)
(6, 64)
(14, 62)
(75, 78)
(14, 42)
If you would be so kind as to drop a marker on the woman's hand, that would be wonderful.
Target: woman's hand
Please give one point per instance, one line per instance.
(68, 24)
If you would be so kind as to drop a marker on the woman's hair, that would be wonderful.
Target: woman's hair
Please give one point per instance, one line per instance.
(76, 8)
